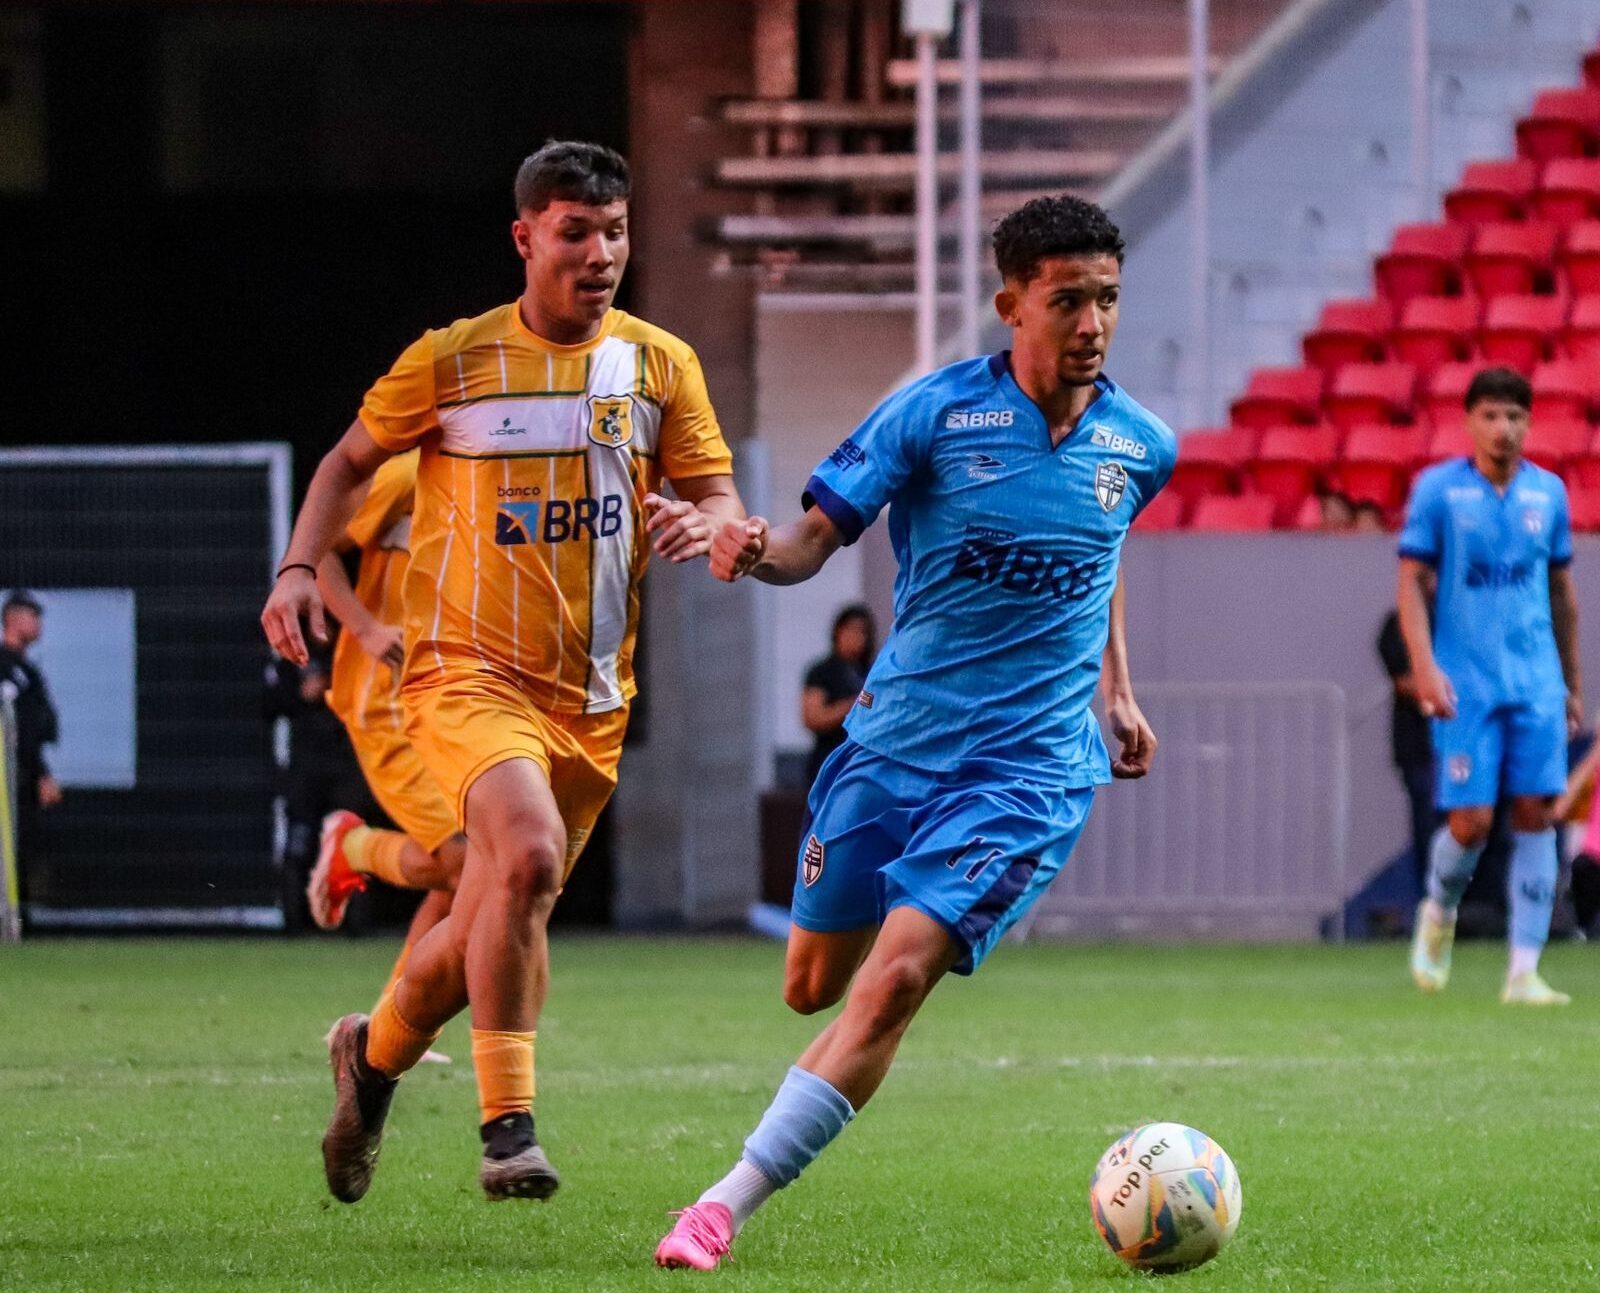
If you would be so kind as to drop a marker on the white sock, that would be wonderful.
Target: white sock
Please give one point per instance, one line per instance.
(1524, 960)
(1437, 911)
(741, 1191)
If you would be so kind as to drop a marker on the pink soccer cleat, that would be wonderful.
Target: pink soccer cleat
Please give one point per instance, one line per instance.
(332, 883)
(700, 1239)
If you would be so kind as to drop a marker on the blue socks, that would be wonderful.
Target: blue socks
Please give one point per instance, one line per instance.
(805, 1115)
(1450, 868)
(1533, 887)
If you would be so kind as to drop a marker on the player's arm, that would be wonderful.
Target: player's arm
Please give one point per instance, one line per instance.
(1123, 715)
(791, 554)
(379, 640)
(1436, 698)
(336, 492)
(683, 527)
(1564, 619)
(821, 715)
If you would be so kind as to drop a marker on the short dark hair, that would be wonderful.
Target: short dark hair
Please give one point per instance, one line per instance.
(1499, 384)
(1053, 226)
(571, 170)
(20, 599)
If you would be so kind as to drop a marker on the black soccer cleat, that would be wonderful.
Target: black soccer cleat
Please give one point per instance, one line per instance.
(514, 1167)
(361, 1097)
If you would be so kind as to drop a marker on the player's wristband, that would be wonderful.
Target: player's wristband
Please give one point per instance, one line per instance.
(295, 565)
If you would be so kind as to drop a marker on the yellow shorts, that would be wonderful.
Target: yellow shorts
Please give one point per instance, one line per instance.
(464, 725)
(402, 784)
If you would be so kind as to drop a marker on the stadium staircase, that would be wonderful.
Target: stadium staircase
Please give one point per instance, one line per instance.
(1510, 275)
(1069, 96)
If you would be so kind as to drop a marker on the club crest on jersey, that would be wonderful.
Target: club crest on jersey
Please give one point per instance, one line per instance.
(1459, 769)
(611, 420)
(811, 861)
(1110, 483)
(1533, 521)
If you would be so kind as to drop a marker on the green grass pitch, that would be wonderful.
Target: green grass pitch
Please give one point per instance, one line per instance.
(161, 1104)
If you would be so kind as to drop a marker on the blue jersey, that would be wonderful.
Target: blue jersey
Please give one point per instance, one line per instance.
(1492, 633)
(1008, 551)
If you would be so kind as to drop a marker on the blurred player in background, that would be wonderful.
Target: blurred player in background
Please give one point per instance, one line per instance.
(1498, 674)
(429, 849)
(21, 626)
(544, 427)
(973, 753)
(833, 682)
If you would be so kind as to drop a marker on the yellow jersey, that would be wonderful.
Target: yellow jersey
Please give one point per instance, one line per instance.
(528, 538)
(365, 692)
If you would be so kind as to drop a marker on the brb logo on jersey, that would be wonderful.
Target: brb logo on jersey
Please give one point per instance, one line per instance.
(993, 556)
(961, 419)
(1103, 437)
(610, 420)
(557, 521)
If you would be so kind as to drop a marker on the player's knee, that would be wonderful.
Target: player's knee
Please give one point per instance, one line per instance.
(892, 994)
(806, 990)
(1530, 815)
(1470, 826)
(529, 870)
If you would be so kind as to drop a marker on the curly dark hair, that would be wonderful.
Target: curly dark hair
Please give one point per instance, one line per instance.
(1053, 226)
(1499, 384)
(571, 170)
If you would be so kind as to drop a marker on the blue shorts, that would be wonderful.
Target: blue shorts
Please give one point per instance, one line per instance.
(972, 854)
(1485, 750)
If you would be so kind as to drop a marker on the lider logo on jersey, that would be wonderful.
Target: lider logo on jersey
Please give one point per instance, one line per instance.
(848, 455)
(611, 419)
(558, 521)
(993, 556)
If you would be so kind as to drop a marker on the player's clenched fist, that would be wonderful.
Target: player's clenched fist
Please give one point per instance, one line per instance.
(737, 547)
(294, 596)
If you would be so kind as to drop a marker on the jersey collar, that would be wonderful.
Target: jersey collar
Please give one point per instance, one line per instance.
(1000, 369)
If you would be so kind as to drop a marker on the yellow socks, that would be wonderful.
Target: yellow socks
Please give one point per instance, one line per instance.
(503, 1062)
(393, 1045)
(377, 853)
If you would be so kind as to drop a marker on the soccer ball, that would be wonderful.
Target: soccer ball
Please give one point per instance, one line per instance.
(1165, 1197)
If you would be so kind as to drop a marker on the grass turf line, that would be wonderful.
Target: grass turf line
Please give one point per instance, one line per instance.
(161, 1104)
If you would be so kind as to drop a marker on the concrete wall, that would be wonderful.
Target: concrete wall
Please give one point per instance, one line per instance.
(1311, 175)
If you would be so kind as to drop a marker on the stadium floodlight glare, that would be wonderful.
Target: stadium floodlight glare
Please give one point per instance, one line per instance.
(928, 17)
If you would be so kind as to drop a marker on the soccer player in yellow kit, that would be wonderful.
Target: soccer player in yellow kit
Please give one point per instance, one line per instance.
(545, 427)
(429, 849)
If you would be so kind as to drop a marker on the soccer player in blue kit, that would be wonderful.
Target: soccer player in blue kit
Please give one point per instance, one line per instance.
(1499, 674)
(972, 757)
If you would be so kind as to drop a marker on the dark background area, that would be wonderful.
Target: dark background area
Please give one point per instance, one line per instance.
(240, 215)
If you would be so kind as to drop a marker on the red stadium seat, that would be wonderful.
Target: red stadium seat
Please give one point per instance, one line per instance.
(1433, 330)
(1580, 258)
(1518, 331)
(1563, 123)
(1584, 472)
(1278, 395)
(1291, 464)
(1490, 191)
(1570, 191)
(1308, 516)
(1557, 443)
(1209, 463)
(1508, 258)
(1444, 392)
(1591, 69)
(1349, 332)
(1163, 512)
(1378, 462)
(1243, 512)
(1364, 393)
(1423, 260)
(1563, 389)
(1585, 508)
(1580, 339)
(1449, 441)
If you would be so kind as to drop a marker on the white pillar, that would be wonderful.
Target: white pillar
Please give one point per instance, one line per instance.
(927, 200)
(1200, 198)
(971, 112)
(1421, 114)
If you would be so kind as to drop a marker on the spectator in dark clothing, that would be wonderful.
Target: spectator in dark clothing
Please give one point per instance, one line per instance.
(834, 682)
(21, 625)
(1412, 744)
(322, 775)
